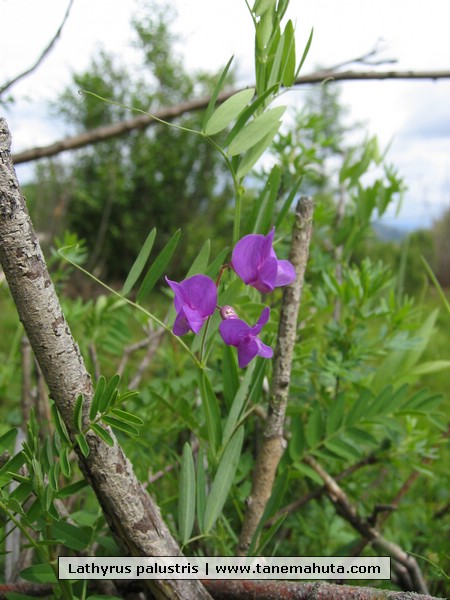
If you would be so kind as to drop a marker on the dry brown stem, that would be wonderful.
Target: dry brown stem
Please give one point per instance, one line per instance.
(131, 513)
(273, 443)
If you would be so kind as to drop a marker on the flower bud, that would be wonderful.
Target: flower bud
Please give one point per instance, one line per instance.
(228, 312)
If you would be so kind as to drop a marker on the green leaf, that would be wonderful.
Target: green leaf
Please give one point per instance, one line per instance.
(359, 408)
(257, 129)
(59, 424)
(53, 476)
(228, 111)
(336, 415)
(65, 463)
(70, 535)
(248, 161)
(99, 390)
(17, 596)
(215, 94)
(127, 417)
(42, 573)
(314, 428)
(342, 449)
(139, 263)
(212, 413)
(201, 489)
(103, 434)
(7, 440)
(288, 203)
(262, 211)
(308, 471)
(214, 267)
(186, 496)
(223, 479)
(158, 267)
(239, 401)
(262, 6)
(297, 443)
(83, 445)
(247, 113)
(78, 413)
(305, 54)
(109, 395)
(288, 68)
(121, 425)
(72, 489)
(230, 374)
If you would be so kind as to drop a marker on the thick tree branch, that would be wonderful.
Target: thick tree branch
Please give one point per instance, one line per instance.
(143, 121)
(273, 443)
(131, 513)
(225, 589)
(41, 57)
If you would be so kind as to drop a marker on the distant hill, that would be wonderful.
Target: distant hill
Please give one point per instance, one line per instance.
(387, 233)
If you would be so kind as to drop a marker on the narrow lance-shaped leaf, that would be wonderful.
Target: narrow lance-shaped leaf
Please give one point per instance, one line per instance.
(186, 496)
(214, 95)
(250, 158)
(139, 263)
(121, 425)
(78, 413)
(256, 130)
(201, 489)
(108, 395)
(7, 440)
(288, 68)
(228, 111)
(211, 412)
(158, 267)
(223, 479)
(305, 53)
(99, 389)
(82, 443)
(103, 434)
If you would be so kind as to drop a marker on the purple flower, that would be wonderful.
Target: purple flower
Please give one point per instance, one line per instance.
(236, 332)
(195, 300)
(256, 263)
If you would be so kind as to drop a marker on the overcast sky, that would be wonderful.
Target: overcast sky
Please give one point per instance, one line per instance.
(415, 116)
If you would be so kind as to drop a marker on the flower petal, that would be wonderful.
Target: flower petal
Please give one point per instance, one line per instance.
(233, 331)
(194, 318)
(264, 317)
(263, 349)
(285, 273)
(247, 350)
(201, 294)
(248, 257)
(181, 325)
(180, 295)
(267, 276)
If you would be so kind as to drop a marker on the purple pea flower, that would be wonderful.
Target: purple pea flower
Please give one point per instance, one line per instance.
(256, 263)
(236, 332)
(195, 300)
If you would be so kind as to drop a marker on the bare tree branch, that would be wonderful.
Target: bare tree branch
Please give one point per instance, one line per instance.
(407, 567)
(107, 132)
(273, 444)
(42, 56)
(130, 511)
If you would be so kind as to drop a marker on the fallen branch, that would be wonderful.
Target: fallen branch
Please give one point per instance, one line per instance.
(225, 589)
(130, 511)
(273, 444)
(107, 132)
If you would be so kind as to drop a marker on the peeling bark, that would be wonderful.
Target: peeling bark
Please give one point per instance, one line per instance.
(131, 513)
